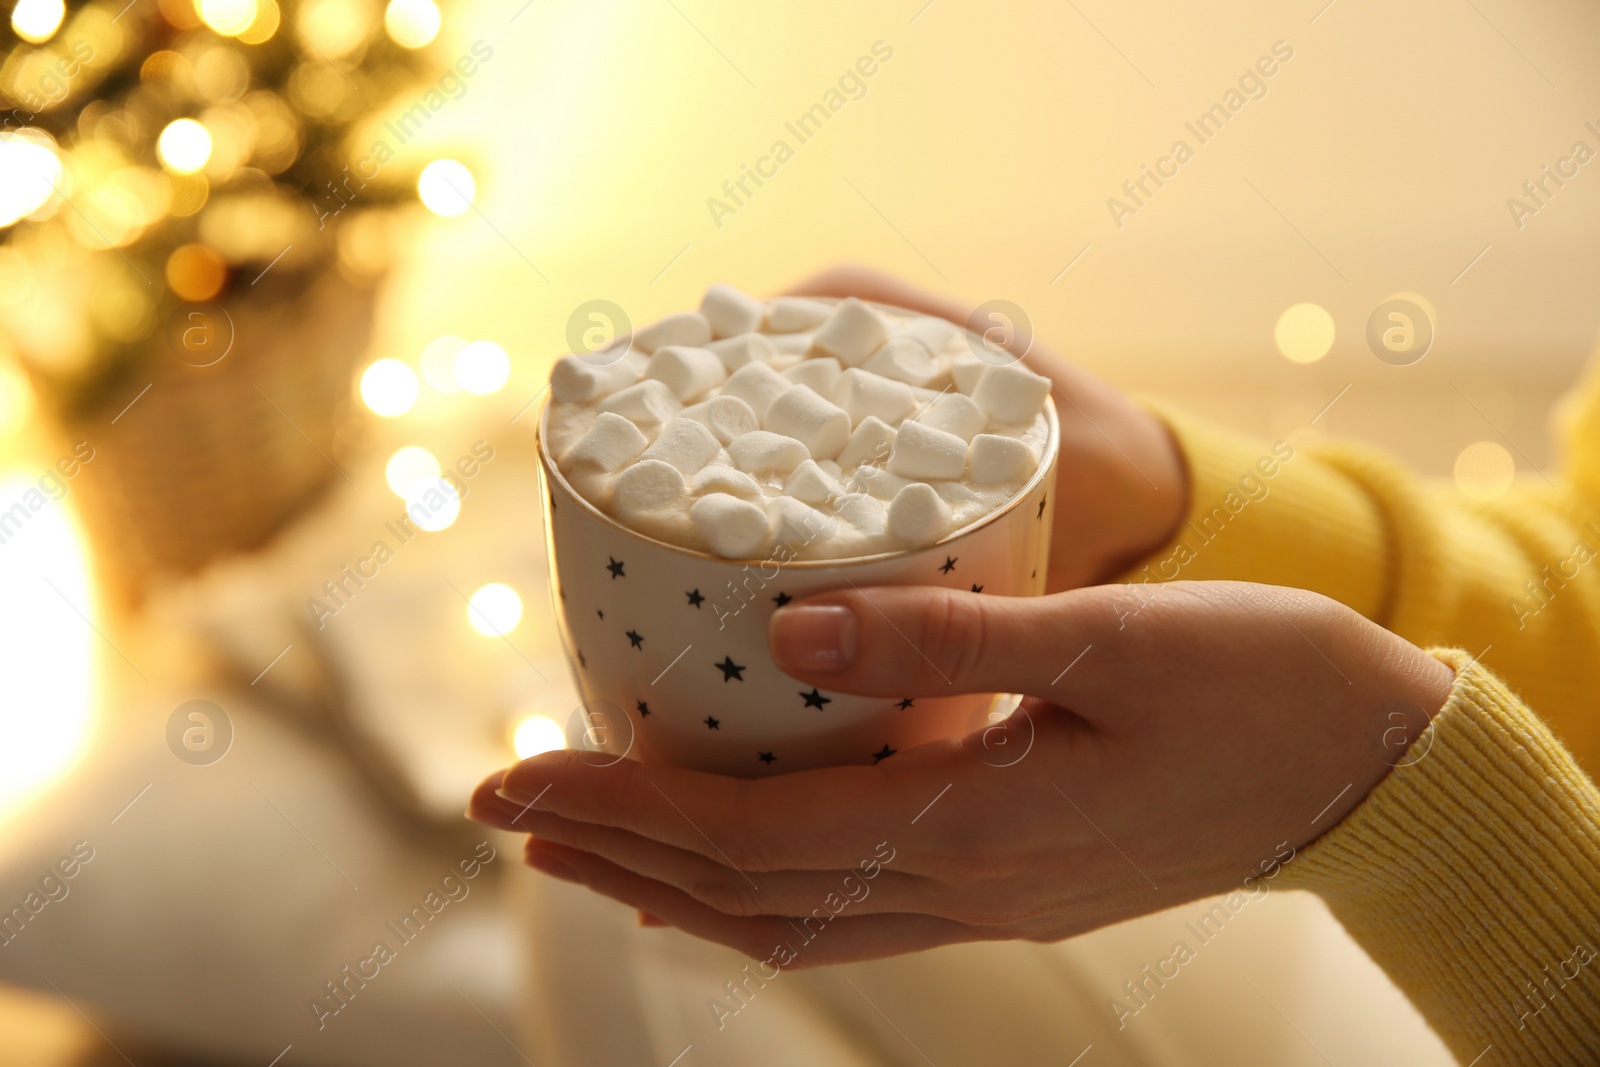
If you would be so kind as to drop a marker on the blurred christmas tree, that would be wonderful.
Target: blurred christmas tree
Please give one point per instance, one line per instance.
(156, 153)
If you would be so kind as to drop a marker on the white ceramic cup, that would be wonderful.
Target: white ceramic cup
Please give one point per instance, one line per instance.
(668, 645)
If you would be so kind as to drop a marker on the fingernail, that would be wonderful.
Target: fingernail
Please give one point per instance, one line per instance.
(513, 797)
(815, 637)
(543, 861)
(646, 919)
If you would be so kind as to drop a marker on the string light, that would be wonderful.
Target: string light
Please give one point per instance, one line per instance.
(184, 146)
(494, 610)
(29, 175)
(230, 18)
(409, 468)
(411, 23)
(36, 21)
(446, 188)
(389, 388)
(536, 734)
(482, 367)
(1304, 333)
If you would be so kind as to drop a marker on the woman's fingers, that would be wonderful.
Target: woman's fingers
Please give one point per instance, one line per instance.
(836, 935)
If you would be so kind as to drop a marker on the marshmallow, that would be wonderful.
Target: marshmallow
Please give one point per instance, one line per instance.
(812, 484)
(725, 416)
(918, 515)
(935, 335)
(685, 444)
(862, 395)
(904, 360)
(610, 442)
(731, 312)
(735, 352)
(730, 527)
(993, 459)
(852, 332)
(757, 385)
(685, 328)
(797, 524)
(957, 414)
(862, 512)
(564, 425)
(719, 478)
(800, 413)
(577, 379)
(870, 442)
(965, 370)
(592, 484)
(924, 452)
(818, 375)
(791, 344)
(648, 486)
(877, 482)
(1011, 393)
(791, 314)
(648, 402)
(833, 469)
(760, 452)
(689, 372)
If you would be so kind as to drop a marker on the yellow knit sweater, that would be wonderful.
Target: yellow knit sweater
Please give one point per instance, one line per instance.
(1472, 873)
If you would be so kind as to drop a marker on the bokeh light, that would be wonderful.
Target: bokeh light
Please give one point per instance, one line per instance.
(389, 387)
(36, 21)
(29, 175)
(446, 188)
(412, 23)
(1484, 471)
(195, 272)
(230, 18)
(184, 146)
(1304, 333)
(439, 363)
(482, 367)
(409, 468)
(495, 609)
(434, 506)
(16, 399)
(536, 734)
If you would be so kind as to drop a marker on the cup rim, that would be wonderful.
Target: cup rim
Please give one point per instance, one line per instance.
(1052, 450)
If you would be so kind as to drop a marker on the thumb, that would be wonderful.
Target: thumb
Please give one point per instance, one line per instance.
(894, 640)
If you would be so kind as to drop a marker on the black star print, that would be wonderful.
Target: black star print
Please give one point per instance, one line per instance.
(636, 639)
(615, 567)
(949, 564)
(713, 724)
(781, 599)
(766, 757)
(977, 588)
(906, 703)
(883, 753)
(730, 669)
(1042, 501)
(644, 709)
(581, 661)
(815, 699)
(1035, 573)
(695, 599)
(563, 594)
(601, 614)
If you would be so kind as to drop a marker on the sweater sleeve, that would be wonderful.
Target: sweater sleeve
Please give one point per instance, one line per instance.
(1471, 874)
(1516, 581)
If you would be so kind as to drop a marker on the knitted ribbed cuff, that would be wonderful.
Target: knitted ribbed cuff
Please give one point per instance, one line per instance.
(1271, 513)
(1471, 874)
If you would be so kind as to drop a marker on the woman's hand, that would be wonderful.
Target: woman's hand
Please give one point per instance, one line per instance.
(1178, 740)
(1121, 486)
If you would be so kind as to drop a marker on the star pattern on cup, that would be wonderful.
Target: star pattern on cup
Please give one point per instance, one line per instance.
(905, 703)
(695, 599)
(636, 639)
(730, 670)
(713, 723)
(644, 709)
(1042, 502)
(948, 565)
(615, 567)
(815, 699)
(976, 588)
(766, 757)
(781, 599)
(883, 753)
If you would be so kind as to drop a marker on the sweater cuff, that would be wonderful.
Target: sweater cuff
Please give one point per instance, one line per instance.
(1271, 513)
(1471, 874)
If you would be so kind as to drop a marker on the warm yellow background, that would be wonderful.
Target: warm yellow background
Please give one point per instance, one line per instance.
(991, 142)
